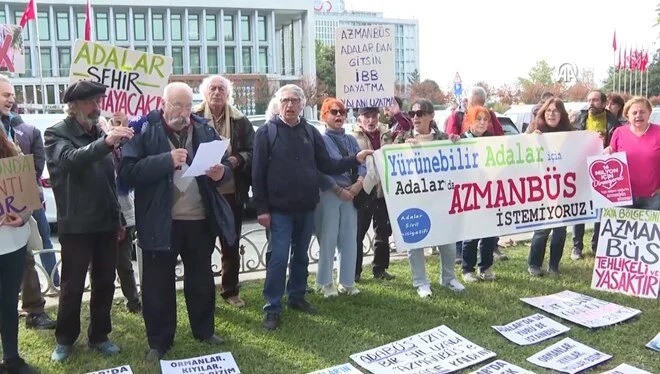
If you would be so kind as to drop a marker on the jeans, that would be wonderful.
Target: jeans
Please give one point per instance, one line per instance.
(289, 233)
(11, 274)
(578, 235)
(336, 226)
(539, 241)
(648, 203)
(48, 260)
(486, 247)
(418, 264)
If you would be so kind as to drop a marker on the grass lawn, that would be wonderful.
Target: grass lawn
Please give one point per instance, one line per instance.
(382, 313)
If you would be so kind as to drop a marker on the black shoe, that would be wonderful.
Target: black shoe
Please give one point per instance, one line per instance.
(271, 321)
(39, 321)
(358, 278)
(17, 366)
(302, 305)
(214, 340)
(153, 355)
(383, 275)
(134, 307)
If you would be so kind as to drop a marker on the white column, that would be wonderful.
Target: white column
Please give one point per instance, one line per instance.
(131, 26)
(308, 46)
(279, 51)
(221, 42)
(286, 35)
(255, 42)
(150, 37)
(186, 44)
(202, 36)
(273, 44)
(297, 47)
(168, 32)
(239, 43)
(73, 23)
(111, 21)
(54, 57)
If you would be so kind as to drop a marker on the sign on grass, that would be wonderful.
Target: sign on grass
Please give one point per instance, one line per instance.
(339, 369)
(18, 185)
(626, 369)
(531, 330)
(501, 367)
(439, 350)
(125, 369)
(581, 309)
(210, 364)
(654, 344)
(568, 356)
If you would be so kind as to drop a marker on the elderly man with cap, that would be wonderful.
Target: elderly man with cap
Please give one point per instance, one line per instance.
(79, 159)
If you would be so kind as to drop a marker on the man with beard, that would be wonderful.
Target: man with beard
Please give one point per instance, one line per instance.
(595, 118)
(389, 114)
(176, 215)
(82, 174)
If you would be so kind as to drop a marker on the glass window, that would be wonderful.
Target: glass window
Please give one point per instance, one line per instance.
(139, 27)
(245, 28)
(29, 94)
(177, 63)
(38, 96)
(263, 60)
(42, 24)
(26, 31)
(247, 60)
(159, 51)
(175, 23)
(121, 26)
(193, 26)
(50, 94)
(80, 24)
(262, 29)
(28, 63)
(46, 63)
(230, 60)
(195, 62)
(141, 49)
(212, 59)
(62, 26)
(102, 27)
(20, 98)
(229, 28)
(3, 17)
(64, 56)
(157, 27)
(211, 28)
(62, 89)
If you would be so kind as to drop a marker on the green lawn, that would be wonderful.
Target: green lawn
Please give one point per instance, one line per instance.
(383, 312)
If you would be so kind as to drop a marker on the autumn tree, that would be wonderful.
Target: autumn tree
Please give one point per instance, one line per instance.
(428, 89)
(325, 69)
(507, 94)
(414, 77)
(539, 79)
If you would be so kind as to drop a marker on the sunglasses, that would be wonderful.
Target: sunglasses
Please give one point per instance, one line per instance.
(418, 113)
(335, 112)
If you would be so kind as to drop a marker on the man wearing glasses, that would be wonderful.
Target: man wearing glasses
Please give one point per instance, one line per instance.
(176, 216)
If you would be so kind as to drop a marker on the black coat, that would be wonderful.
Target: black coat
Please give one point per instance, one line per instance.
(612, 123)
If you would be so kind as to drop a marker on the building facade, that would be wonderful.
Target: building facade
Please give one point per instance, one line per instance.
(256, 45)
(406, 36)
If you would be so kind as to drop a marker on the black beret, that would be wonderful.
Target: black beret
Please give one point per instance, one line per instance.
(367, 110)
(83, 90)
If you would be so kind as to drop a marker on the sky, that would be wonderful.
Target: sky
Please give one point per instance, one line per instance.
(500, 40)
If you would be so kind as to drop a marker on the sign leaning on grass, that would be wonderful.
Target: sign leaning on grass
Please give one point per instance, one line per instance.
(501, 367)
(531, 330)
(443, 192)
(626, 369)
(125, 369)
(628, 254)
(364, 65)
(18, 185)
(439, 350)
(568, 356)
(210, 364)
(135, 80)
(339, 369)
(582, 309)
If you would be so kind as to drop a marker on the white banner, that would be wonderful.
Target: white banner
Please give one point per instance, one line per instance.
(339, 369)
(581, 309)
(501, 367)
(531, 330)
(118, 370)
(441, 192)
(568, 356)
(628, 254)
(439, 350)
(209, 364)
(364, 65)
(626, 369)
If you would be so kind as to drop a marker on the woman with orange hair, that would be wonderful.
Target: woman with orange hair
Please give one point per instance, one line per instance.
(335, 215)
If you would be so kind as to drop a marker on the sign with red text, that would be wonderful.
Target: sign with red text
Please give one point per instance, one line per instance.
(125, 369)
(135, 80)
(442, 192)
(531, 330)
(501, 367)
(610, 180)
(209, 364)
(12, 49)
(628, 253)
(568, 356)
(18, 185)
(439, 350)
(582, 309)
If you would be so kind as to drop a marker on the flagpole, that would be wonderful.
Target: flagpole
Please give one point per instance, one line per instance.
(39, 66)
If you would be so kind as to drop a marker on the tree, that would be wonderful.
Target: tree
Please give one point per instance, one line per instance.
(584, 85)
(490, 91)
(414, 77)
(428, 89)
(540, 79)
(508, 94)
(325, 69)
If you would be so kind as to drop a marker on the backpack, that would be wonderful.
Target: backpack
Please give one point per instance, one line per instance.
(273, 131)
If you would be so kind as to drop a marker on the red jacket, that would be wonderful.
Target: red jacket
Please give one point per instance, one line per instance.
(494, 127)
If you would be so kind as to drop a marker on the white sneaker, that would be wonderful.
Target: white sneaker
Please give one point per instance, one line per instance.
(350, 291)
(454, 285)
(329, 290)
(487, 275)
(424, 291)
(470, 277)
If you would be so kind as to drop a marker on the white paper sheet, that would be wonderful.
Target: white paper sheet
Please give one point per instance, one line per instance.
(207, 156)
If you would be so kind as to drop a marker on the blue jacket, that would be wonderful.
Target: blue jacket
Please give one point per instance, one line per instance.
(350, 144)
(146, 165)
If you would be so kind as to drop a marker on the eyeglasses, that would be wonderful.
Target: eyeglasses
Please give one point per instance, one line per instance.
(418, 113)
(552, 111)
(292, 100)
(335, 112)
(180, 106)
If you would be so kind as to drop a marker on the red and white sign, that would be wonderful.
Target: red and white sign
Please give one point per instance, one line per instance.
(610, 180)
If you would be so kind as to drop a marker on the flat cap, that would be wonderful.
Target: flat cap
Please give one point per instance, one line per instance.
(367, 110)
(83, 90)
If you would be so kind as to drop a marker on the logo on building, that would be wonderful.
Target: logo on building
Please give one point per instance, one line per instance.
(567, 73)
(329, 6)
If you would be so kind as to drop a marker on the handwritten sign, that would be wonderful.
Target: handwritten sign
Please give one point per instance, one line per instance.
(501, 367)
(581, 309)
(439, 350)
(210, 364)
(12, 50)
(339, 369)
(654, 344)
(568, 356)
(135, 80)
(628, 253)
(18, 185)
(118, 370)
(610, 180)
(442, 192)
(531, 330)
(364, 65)
(626, 369)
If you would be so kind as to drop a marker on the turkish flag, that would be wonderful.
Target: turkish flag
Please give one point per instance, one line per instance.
(88, 23)
(29, 13)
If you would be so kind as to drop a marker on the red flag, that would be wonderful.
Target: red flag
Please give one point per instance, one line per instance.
(625, 59)
(618, 64)
(29, 13)
(614, 41)
(88, 23)
(645, 60)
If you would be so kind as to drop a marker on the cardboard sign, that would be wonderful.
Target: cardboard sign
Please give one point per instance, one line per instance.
(626, 369)
(568, 356)
(501, 367)
(610, 180)
(442, 192)
(581, 309)
(654, 344)
(135, 80)
(18, 185)
(628, 253)
(210, 364)
(339, 369)
(531, 330)
(118, 370)
(364, 65)
(439, 350)
(12, 50)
